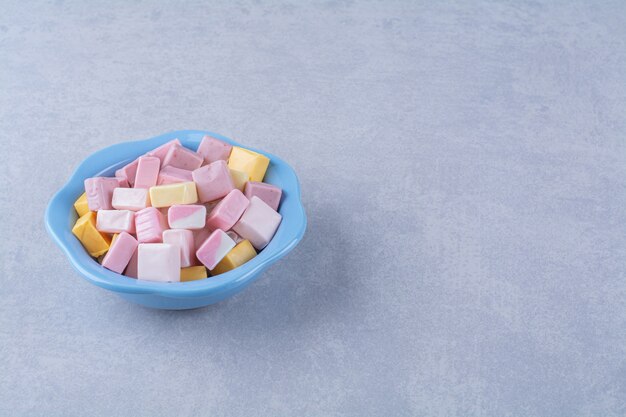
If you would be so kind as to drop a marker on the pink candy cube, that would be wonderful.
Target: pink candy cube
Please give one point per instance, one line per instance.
(213, 181)
(173, 175)
(147, 172)
(158, 262)
(214, 248)
(150, 225)
(131, 269)
(226, 213)
(186, 216)
(266, 192)
(128, 172)
(162, 150)
(258, 223)
(183, 239)
(99, 192)
(115, 221)
(213, 150)
(183, 158)
(120, 253)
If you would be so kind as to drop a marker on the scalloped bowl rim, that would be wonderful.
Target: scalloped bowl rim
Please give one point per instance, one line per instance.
(89, 269)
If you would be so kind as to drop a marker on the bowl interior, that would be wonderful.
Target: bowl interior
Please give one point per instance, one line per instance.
(61, 216)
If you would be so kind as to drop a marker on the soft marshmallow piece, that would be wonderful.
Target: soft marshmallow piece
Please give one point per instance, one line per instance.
(226, 213)
(133, 199)
(161, 151)
(150, 225)
(173, 175)
(180, 157)
(213, 150)
(81, 205)
(186, 216)
(115, 221)
(213, 181)
(183, 239)
(94, 241)
(121, 251)
(170, 194)
(99, 192)
(250, 162)
(128, 172)
(147, 172)
(267, 192)
(214, 248)
(158, 262)
(239, 255)
(258, 223)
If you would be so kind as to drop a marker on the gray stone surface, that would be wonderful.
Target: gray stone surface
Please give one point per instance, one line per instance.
(463, 168)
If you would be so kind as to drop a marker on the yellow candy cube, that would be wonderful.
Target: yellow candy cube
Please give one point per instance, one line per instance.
(252, 163)
(192, 273)
(240, 179)
(94, 241)
(81, 206)
(170, 194)
(239, 255)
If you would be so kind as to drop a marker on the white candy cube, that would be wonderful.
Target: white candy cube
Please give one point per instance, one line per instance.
(158, 262)
(133, 199)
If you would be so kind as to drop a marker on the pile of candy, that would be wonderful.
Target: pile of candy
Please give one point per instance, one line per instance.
(174, 213)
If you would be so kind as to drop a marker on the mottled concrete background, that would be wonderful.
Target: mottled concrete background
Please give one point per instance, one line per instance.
(463, 167)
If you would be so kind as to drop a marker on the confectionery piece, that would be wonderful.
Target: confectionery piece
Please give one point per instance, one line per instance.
(81, 205)
(258, 223)
(128, 172)
(213, 181)
(99, 192)
(158, 262)
(253, 163)
(239, 255)
(134, 199)
(192, 273)
(183, 239)
(180, 157)
(214, 248)
(147, 172)
(150, 224)
(234, 236)
(170, 194)
(213, 150)
(94, 241)
(115, 221)
(131, 269)
(162, 150)
(266, 192)
(186, 216)
(173, 175)
(240, 179)
(121, 251)
(123, 182)
(226, 213)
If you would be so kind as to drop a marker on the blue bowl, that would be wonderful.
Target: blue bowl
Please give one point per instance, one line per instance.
(60, 217)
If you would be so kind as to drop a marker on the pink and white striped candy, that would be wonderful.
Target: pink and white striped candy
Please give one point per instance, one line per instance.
(120, 253)
(183, 239)
(150, 224)
(115, 221)
(147, 172)
(173, 175)
(180, 157)
(226, 213)
(186, 216)
(99, 191)
(214, 248)
(158, 262)
(134, 199)
(258, 223)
